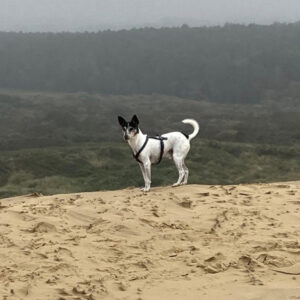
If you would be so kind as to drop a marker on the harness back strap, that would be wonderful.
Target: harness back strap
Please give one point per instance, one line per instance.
(162, 146)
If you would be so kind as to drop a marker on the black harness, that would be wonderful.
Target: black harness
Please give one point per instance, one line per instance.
(162, 146)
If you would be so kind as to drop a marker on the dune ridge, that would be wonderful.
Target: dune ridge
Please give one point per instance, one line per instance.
(190, 242)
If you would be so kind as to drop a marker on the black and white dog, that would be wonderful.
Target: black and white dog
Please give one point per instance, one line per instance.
(149, 150)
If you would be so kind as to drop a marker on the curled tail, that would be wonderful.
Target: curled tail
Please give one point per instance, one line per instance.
(195, 125)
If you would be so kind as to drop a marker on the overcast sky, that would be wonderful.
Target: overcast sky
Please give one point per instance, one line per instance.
(94, 15)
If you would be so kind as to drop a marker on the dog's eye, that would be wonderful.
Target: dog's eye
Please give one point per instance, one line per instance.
(130, 129)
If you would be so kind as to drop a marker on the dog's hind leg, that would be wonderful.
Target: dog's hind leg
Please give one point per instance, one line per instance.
(186, 174)
(179, 165)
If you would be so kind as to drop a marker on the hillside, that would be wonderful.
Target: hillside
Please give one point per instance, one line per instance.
(63, 142)
(43, 119)
(192, 242)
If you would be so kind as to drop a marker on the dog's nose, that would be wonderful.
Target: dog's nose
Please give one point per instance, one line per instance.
(126, 137)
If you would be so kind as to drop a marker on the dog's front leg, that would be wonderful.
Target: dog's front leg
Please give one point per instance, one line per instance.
(144, 175)
(147, 170)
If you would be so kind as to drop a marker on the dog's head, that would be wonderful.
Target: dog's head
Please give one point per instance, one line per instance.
(130, 129)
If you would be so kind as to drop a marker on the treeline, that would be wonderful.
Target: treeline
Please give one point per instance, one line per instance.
(233, 63)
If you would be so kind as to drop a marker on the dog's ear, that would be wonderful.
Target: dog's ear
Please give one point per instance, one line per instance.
(135, 121)
(122, 121)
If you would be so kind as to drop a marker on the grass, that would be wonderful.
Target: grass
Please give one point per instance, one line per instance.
(109, 165)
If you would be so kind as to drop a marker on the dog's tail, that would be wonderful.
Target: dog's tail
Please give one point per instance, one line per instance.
(194, 124)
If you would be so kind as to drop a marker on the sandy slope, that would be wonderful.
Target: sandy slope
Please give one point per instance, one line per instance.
(191, 242)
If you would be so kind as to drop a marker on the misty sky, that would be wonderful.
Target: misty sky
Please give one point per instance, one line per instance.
(94, 15)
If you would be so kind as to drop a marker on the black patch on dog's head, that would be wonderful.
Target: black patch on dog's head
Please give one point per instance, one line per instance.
(133, 125)
(130, 128)
(134, 122)
(122, 122)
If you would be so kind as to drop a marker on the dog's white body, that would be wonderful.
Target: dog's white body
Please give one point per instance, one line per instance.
(176, 146)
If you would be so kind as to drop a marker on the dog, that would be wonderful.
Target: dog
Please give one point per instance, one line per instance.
(149, 150)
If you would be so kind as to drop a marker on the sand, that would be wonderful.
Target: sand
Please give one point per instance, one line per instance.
(190, 242)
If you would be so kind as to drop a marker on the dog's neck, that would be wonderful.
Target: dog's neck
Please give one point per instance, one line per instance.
(137, 141)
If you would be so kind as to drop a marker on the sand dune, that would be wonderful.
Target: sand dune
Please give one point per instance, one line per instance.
(191, 242)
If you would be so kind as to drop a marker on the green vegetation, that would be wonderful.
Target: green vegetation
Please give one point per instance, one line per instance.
(103, 166)
(30, 120)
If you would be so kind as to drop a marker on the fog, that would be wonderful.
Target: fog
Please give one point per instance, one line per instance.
(94, 15)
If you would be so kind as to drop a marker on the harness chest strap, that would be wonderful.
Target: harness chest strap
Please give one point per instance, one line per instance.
(160, 138)
(136, 156)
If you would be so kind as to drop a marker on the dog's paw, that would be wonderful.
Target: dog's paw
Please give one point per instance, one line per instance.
(176, 184)
(145, 189)
(183, 183)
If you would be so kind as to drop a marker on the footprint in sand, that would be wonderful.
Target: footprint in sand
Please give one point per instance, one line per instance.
(247, 262)
(6, 241)
(205, 194)
(122, 286)
(254, 280)
(64, 252)
(215, 264)
(43, 227)
(84, 290)
(275, 260)
(186, 203)
(155, 211)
